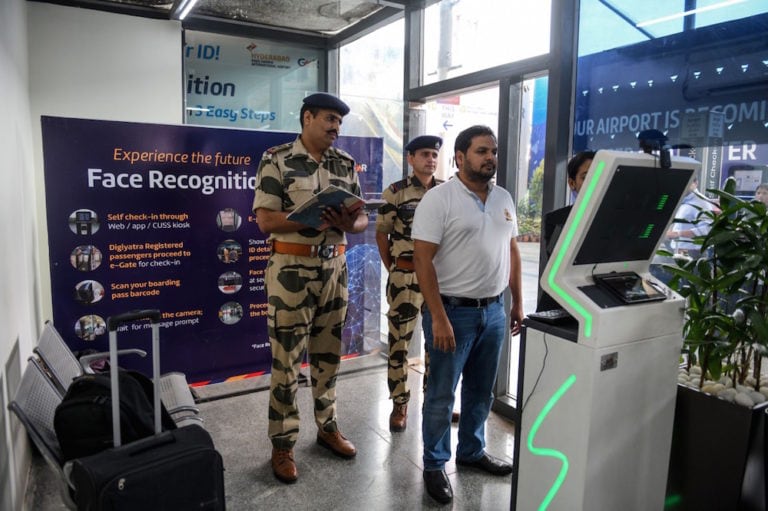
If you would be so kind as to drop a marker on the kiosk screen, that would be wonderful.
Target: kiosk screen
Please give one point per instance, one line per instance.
(636, 208)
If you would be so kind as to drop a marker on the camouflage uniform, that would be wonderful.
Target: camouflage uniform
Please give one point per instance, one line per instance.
(307, 296)
(403, 294)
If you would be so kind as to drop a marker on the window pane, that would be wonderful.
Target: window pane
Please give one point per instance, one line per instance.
(718, 11)
(702, 88)
(530, 98)
(447, 116)
(612, 24)
(247, 83)
(462, 36)
(371, 82)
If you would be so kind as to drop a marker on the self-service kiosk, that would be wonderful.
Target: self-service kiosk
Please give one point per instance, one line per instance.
(596, 393)
(84, 222)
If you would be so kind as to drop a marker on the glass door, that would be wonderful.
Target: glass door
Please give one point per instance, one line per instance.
(524, 144)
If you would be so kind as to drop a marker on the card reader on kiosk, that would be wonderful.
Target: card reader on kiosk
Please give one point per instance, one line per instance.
(596, 395)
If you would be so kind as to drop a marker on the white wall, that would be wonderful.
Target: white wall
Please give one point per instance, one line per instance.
(17, 237)
(68, 62)
(95, 65)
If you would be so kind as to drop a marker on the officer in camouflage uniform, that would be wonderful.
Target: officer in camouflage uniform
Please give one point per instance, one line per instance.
(393, 237)
(306, 277)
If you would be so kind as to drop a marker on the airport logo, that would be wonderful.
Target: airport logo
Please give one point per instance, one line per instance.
(268, 59)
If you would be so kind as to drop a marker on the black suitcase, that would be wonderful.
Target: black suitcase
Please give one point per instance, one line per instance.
(173, 470)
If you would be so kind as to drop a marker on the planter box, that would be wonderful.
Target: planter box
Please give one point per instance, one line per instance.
(718, 455)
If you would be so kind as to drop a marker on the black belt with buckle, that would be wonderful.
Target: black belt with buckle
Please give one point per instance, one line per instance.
(460, 301)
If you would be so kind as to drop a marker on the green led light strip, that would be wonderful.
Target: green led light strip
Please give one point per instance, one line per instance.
(539, 451)
(647, 232)
(590, 189)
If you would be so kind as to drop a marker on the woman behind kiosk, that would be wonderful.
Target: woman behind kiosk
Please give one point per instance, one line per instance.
(554, 221)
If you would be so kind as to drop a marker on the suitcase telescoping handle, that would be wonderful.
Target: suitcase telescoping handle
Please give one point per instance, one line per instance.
(153, 315)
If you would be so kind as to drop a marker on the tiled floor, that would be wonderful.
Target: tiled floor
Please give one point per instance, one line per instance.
(385, 475)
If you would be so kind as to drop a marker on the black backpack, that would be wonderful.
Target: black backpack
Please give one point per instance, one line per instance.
(83, 419)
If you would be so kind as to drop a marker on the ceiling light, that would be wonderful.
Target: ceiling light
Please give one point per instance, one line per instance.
(181, 8)
(688, 13)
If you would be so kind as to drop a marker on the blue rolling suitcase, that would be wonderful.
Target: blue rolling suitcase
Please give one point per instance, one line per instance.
(172, 470)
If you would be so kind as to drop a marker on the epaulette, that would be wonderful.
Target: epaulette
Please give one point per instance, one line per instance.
(343, 154)
(399, 185)
(274, 150)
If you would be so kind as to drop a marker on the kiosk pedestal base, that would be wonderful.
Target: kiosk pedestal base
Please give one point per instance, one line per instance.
(596, 426)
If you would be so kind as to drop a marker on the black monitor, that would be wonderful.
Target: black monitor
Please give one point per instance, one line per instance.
(636, 208)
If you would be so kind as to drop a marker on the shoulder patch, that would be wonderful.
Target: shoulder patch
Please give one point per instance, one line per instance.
(343, 154)
(276, 149)
(399, 185)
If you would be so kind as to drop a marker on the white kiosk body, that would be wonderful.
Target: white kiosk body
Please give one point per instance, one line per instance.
(596, 396)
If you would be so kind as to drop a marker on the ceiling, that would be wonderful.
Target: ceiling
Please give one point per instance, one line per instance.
(323, 19)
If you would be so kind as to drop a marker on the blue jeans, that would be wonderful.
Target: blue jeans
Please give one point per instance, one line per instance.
(479, 334)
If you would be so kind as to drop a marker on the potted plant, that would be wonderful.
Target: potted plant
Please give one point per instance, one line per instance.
(718, 447)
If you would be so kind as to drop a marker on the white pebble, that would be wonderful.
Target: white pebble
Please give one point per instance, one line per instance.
(744, 400)
(756, 397)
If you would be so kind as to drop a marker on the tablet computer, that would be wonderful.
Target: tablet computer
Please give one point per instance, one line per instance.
(629, 287)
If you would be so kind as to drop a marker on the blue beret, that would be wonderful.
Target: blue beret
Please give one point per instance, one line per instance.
(327, 101)
(424, 142)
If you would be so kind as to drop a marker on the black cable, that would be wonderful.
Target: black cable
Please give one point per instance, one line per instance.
(541, 371)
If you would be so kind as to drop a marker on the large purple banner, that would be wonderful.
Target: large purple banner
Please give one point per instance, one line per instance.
(148, 216)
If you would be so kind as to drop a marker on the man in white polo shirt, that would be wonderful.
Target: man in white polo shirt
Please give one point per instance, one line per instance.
(465, 255)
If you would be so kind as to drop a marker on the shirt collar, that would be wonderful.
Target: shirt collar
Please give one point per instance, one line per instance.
(299, 149)
(416, 182)
(456, 177)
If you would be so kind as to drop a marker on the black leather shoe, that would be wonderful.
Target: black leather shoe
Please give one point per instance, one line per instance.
(438, 486)
(488, 463)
